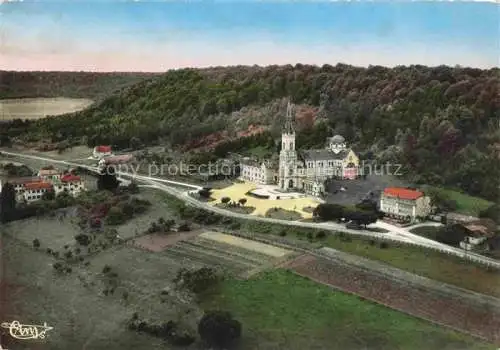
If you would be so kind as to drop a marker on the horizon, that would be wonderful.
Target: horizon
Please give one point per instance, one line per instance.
(152, 37)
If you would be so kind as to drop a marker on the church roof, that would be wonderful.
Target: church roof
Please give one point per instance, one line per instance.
(337, 139)
(323, 154)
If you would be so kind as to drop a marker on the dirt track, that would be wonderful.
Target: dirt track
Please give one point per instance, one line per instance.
(455, 313)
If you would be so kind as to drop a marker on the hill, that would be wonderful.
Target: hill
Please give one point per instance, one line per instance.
(440, 123)
(89, 85)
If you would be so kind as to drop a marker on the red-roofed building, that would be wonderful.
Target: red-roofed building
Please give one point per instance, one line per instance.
(404, 203)
(70, 183)
(102, 151)
(34, 191)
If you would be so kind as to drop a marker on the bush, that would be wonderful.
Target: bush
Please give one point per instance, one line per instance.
(282, 233)
(384, 245)
(218, 329)
(320, 234)
(36, 243)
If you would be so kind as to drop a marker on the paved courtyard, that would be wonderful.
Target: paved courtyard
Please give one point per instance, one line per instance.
(239, 190)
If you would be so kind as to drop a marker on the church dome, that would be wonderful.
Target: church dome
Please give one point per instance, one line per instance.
(337, 139)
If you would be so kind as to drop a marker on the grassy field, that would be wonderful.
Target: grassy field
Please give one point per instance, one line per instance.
(466, 204)
(34, 108)
(280, 310)
(421, 261)
(424, 262)
(425, 231)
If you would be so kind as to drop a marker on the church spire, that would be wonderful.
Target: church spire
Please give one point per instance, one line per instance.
(289, 121)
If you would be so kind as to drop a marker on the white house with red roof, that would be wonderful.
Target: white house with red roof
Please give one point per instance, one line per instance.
(404, 203)
(49, 174)
(33, 191)
(19, 185)
(102, 151)
(69, 183)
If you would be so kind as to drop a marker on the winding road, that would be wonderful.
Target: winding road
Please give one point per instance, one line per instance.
(395, 233)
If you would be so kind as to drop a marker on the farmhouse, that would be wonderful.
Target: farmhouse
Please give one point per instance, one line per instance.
(478, 233)
(102, 151)
(403, 203)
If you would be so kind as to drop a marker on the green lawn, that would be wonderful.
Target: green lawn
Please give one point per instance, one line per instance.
(466, 204)
(280, 310)
(426, 231)
(424, 262)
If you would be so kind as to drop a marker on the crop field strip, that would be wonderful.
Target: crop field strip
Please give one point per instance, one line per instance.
(449, 312)
(197, 255)
(234, 250)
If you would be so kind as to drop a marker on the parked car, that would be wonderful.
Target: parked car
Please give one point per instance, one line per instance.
(353, 226)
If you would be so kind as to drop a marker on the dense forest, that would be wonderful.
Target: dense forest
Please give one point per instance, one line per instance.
(441, 123)
(65, 84)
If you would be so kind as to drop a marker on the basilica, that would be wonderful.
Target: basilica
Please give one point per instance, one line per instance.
(307, 170)
(304, 170)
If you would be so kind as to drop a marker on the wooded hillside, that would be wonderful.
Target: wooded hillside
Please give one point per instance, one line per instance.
(65, 84)
(442, 123)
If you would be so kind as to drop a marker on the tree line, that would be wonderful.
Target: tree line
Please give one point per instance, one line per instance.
(440, 123)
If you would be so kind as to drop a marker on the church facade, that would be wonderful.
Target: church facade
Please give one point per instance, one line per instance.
(307, 170)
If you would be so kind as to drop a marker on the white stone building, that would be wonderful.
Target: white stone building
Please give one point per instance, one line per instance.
(262, 173)
(403, 203)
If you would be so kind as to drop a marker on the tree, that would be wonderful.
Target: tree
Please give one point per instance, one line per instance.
(205, 193)
(36, 243)
(107, 179)
(492, 212)
(82, 239)
(218, 329)
(7, 203)
(328, 212)
(242, 201)
(48, 196)
(225, 200)
(451, 234)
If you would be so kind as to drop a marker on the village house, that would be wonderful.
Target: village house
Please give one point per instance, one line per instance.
(34, 191)
(19, 185)
(101, 152)
(478, 234)
(49, 174)
(403, 203)
(69, 183)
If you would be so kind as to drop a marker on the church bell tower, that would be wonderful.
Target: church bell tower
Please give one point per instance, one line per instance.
(288, 154)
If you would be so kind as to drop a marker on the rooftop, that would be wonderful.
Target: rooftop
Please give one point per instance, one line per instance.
(70, 178)
(482, 228)
(102, 149)
(37, 185)
(322, 154)
(402, 193)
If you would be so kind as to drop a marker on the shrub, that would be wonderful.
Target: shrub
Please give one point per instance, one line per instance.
(384, 245)
(320, 234)
(36, 243)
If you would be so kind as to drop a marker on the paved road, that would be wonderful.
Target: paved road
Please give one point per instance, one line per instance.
(396, 233)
